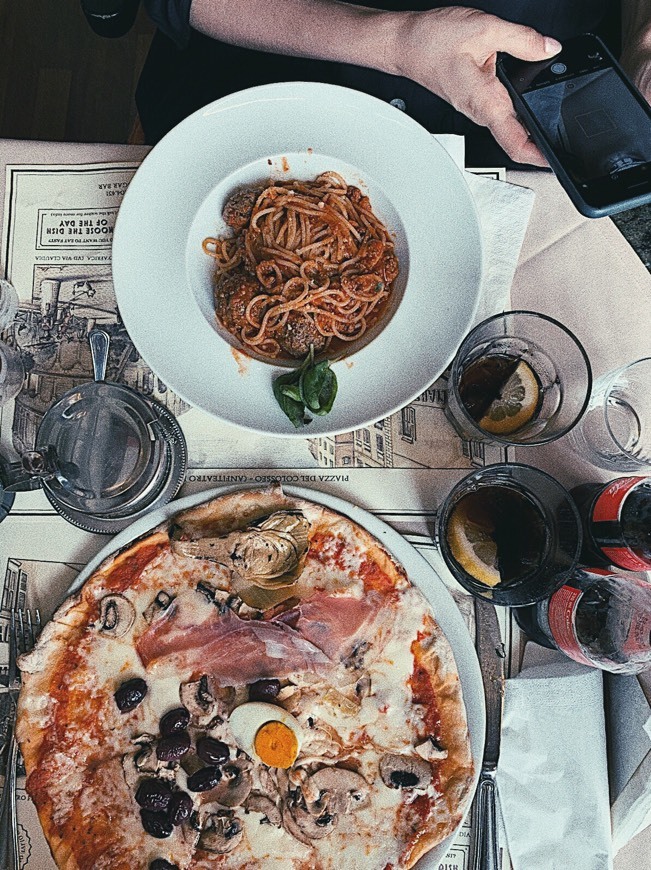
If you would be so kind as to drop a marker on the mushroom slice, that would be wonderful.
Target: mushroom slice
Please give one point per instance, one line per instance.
(405, 771)
(143, 762)
(235, 785)
(339, 789)
(221, 834)
(363, 686)
(430, 750)
(160, 603)
(305, 827)
(116, 615)
(355, 659)
(257, 802)
(267, 782)
(204, 702)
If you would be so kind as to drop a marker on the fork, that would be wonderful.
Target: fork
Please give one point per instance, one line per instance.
(23, 631)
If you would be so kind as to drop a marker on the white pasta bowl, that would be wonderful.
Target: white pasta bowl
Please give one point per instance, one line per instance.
(164, 281)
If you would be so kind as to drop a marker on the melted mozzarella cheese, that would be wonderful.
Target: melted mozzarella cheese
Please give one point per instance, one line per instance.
(271, 846)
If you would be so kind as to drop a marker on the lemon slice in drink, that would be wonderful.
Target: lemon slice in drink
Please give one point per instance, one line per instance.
(472, 545)
(516, 404)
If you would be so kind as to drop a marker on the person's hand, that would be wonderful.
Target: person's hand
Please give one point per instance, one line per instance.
(452, 51)
(637, 63)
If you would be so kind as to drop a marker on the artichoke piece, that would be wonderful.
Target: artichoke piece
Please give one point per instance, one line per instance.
(272, 554)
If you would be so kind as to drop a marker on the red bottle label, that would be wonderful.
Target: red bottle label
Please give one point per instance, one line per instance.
(609, 502)
(625, 558)
(562, 607)
(638, 636)
(607, 508)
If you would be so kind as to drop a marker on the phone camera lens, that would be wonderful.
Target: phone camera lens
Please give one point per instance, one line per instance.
(558, 68)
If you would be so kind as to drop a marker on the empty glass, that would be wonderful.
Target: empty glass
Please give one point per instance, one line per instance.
(104, 454)
(615, 431)
(12, 373)
(8, 303)
(518, 378)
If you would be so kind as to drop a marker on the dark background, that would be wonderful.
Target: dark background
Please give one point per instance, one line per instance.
(59, 81)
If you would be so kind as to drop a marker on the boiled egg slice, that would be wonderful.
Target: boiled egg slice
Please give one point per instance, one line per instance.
(267, 733)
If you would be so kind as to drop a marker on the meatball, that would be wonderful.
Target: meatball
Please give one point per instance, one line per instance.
(232, 294)
(299, 333)
(238, 208)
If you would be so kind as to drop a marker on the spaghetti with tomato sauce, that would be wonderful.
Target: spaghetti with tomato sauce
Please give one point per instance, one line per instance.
(308, 264)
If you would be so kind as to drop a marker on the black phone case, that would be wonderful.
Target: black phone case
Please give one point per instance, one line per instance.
(537, 134)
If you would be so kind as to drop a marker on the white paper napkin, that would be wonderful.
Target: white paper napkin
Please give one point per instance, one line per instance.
(504, 210)
(552, 776)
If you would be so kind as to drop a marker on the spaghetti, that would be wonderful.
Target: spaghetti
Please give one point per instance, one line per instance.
(308, 264)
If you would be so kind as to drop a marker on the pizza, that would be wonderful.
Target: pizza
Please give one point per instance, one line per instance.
(254, 684)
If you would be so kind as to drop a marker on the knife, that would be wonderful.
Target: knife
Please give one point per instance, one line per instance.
(492, 656)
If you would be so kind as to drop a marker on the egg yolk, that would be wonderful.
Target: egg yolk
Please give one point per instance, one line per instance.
(276, 744)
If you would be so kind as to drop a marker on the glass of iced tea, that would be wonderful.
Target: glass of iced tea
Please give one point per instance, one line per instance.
(510, 533)
(518, 378)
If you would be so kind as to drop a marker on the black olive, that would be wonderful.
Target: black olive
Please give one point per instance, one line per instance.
(180, 807)
(156, 824)
(232, 830)
(153, 794)
(162, 864)
(173, 747)
(204, 779)
(174, 720)
(403, 779)
(130, 694)
(264, 690)
(212, 751)
(324, 820)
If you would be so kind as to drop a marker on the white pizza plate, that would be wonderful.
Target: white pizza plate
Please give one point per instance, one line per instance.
(163, 280)
(419, 571)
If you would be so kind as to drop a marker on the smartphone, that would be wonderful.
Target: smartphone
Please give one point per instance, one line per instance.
(590, 122)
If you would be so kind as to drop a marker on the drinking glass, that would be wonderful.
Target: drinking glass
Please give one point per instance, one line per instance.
(510, 533)
(12, 373)
(518, 378)
(615, 431)
(8, 303)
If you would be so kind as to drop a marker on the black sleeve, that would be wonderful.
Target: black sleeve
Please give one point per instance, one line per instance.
(172, 17)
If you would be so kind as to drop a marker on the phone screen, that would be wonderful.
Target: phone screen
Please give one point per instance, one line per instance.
(595, 122)
(597, 127)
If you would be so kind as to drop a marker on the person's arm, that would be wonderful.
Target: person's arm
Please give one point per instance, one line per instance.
(636, 43)
(451, 51)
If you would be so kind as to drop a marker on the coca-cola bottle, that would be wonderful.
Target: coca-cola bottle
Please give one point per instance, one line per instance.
(596, 618)
(616, 520)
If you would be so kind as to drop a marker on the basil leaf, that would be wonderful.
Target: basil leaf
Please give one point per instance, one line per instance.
(310, 384)
(316, 386)
(310, 387)
(328, 392)
(293, 391)
(293, 409)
